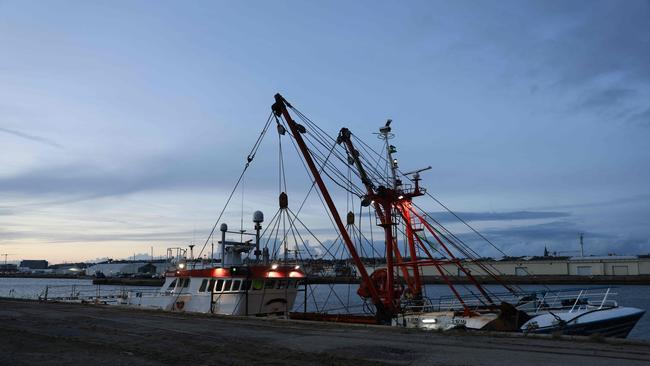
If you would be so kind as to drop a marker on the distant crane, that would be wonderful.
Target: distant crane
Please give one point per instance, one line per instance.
(6, 255)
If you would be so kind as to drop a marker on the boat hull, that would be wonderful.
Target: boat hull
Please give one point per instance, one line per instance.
(253, 303)
(616, 323)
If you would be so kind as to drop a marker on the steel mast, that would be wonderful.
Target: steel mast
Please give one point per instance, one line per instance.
(280, 110)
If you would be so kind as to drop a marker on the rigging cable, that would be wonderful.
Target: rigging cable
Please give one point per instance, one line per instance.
(249, 159)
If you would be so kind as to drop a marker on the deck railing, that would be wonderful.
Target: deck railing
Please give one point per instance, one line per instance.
(532, 302)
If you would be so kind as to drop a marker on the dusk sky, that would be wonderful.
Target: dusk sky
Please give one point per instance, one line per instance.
(124, 124)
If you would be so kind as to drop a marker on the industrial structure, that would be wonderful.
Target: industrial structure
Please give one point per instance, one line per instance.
(560, 266)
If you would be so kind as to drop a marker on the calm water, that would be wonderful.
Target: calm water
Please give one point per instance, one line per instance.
(330, 297)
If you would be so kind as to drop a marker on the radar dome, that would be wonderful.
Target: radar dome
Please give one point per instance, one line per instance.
(258, 217)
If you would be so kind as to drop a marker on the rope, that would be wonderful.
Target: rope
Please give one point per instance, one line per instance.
(249, 159)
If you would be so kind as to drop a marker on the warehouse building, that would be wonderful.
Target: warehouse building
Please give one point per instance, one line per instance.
(555, 266)
(34, 264)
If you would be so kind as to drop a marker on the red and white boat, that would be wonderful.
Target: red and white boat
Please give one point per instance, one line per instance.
(240, 290)
(258, 287)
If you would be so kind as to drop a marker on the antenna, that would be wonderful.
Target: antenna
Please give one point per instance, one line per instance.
(582, 245)
(416, 173)
(6, 254)
(386, 134)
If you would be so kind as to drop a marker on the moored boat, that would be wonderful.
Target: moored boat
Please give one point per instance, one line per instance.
(393, 293)
(396, 290)
(235, 287)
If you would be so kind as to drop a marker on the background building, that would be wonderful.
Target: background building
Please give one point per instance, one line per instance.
(121, 268)
(34, 264)
(8, 268)
(555, 266)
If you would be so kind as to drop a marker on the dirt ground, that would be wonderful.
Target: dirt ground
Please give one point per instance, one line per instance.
(33, 333)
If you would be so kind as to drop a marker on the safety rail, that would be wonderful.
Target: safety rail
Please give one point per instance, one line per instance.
(531, 302)
(87, 293)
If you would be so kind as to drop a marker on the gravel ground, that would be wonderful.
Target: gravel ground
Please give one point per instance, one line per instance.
(33, 333)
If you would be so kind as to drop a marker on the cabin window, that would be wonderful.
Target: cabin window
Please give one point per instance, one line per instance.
(246, 285)
(204, 284)
(186, 282)
(219, 286)
(172, 285)
(270, 284)
(226, 286)
(235, 285)
(211, 285)
(282, 284)
(258, 284)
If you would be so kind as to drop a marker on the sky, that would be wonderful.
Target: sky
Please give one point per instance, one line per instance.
(124, 124)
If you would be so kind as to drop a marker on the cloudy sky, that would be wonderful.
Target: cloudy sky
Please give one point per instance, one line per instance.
(124, 124)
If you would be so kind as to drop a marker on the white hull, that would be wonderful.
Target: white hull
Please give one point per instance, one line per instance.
(214, 291)
(259, 302)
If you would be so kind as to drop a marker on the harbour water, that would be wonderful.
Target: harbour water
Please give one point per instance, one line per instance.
(334, 298)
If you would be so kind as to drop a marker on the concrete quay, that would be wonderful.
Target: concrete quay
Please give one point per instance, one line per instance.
(34, 333)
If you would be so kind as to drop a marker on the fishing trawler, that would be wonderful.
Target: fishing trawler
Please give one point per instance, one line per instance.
(393, 293)
(257, 287)
(396, 290)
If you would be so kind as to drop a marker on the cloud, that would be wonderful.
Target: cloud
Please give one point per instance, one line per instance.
(497, 216)
(612, 202)
(594, 53)
(601, 40)
(641, 119)
(52, 237)
(550, 231)
(561, 237)
(75, 180)
(86, 181)
(170, 169)
(26, 136)
(607, 97)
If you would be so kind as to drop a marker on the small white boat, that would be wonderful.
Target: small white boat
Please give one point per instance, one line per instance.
(568, 311)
